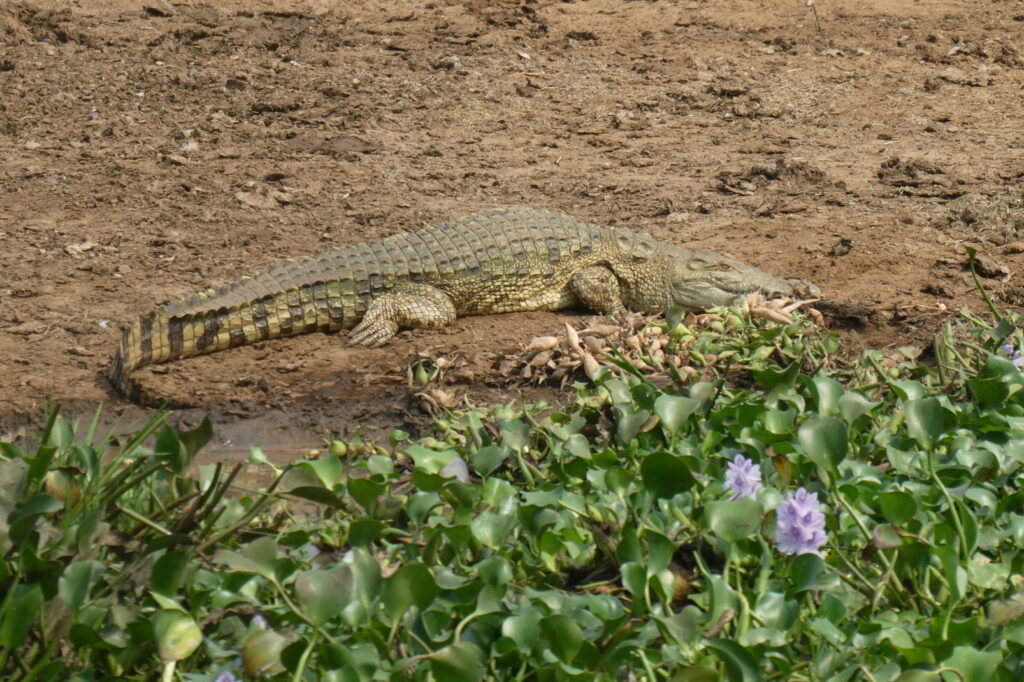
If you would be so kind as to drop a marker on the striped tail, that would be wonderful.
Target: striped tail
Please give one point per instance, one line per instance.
(199, 326)
(130, 356)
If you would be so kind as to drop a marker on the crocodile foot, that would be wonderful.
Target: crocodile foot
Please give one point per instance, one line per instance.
(416, 306)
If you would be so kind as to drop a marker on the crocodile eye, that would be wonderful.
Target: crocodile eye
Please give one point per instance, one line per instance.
(725, 267)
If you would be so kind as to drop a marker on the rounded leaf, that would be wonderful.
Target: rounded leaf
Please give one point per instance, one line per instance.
(460, 662)
(927, 419)
(564, 636)
(489, 458)
(666, 475)
(824, 441)
(177, 635)
(411, 585)
(733, 520)
(261, 653)
(323, 594)
(674, 410)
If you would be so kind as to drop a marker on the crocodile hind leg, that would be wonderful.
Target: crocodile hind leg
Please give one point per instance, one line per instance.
(417, 306)
(598, 289)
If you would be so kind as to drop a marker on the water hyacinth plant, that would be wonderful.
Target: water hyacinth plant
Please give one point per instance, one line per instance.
(587, 540)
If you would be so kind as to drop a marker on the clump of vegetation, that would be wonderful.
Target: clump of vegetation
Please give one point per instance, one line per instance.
(780, 515)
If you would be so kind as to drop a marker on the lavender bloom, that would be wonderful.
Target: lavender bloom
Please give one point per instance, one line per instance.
(743, 478)
(1014, 355)
(800, 525)
(259, 621)
(226, 677)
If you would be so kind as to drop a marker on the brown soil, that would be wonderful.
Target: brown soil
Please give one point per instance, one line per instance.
(152, 149)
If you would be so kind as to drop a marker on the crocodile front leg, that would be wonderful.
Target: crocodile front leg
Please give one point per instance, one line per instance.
(417, 306)
(598, 289)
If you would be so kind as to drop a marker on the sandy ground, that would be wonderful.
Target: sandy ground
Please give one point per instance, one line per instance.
(150, 150)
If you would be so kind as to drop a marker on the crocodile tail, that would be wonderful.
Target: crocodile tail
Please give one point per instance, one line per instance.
(160, 337)
(131, 354)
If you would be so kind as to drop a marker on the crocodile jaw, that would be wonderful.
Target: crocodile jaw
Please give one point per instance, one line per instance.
(705, 279)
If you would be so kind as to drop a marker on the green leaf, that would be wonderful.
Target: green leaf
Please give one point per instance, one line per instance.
(974, 664)
(629, 422)
(427, 460)
(194, 440)
(886, 537)
(733, 520)
(927, 420)
(459, 662)
(367, 574)
(411, 585)
(778, 379)
(674, 410)
(362, 532)
(659, 551)
(1005, 611)
(38, 504)
(261, 654)
(13, 479)
(740, 666)
(19, 615)
(259, 556)
(323, 594)
(169, 448)
(515, 435)
(563, 635)
(634, 579)
(805, 572)
(365, 491)
(319, 495)
(523, 628)
(666, 475)
(177, 635)
(824, 441)
(919, 676)
(779, 422)
(491, 528)
(489, 458)
(956, 576)
(696, 673)
(989, 392)
(828, 392)
(898, 506)
(970, 526)
(854, 405)
(328, 469)
(908, 390)
(168, 573)
(681, 627)
(76, 580)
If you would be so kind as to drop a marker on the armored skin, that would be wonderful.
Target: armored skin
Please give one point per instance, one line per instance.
(489, 262)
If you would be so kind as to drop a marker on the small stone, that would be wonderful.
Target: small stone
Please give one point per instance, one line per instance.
(79, 248)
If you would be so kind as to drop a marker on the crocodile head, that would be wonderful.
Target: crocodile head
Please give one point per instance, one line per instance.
(705, 279)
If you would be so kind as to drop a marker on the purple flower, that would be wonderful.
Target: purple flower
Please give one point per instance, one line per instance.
(800, 525)
(259, 621)
(1013, 354)
(226, 677)
(743, 478)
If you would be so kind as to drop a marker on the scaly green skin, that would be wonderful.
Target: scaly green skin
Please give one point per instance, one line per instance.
(490, 262)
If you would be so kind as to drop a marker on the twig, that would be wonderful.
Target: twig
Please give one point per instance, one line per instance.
(810, 3)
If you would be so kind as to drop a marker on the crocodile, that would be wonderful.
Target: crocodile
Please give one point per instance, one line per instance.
(494, 261)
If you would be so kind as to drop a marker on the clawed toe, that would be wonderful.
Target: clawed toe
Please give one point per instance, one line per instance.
(372, 335)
